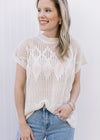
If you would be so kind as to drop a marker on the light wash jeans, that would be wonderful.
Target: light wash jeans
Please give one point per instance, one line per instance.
(44, 124)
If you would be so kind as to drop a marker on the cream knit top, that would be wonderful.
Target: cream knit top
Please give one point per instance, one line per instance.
(49, 81)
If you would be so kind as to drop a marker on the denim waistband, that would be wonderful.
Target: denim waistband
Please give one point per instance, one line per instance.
(44, 106)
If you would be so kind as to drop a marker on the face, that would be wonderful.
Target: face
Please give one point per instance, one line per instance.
(48, 16)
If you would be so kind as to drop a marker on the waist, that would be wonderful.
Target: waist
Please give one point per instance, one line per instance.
(44, 106)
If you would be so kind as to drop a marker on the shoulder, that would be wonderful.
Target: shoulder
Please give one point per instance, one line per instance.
(79, 53)
(23, 43)
(27, 43)
(34, 41)
(74, 44)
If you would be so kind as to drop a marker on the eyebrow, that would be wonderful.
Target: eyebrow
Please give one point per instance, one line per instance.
(46, 8)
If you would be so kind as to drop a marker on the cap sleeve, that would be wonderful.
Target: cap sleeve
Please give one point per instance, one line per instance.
(80, 57)
(19, 54)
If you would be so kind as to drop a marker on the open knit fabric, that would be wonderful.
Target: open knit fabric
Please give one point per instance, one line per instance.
(49, 80)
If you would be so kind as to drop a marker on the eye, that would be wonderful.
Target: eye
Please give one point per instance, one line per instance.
(39, 10)
(48, 10)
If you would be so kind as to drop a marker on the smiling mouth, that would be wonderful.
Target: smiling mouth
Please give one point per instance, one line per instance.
(42, 22)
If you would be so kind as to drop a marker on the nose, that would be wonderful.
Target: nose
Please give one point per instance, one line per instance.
(41, 14)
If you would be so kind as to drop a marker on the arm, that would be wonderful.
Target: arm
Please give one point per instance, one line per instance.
(25, 130)
(75, 88)
(66, 109)
(19, 93)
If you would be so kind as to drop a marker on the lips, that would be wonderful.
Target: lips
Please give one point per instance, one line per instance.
(43, 22)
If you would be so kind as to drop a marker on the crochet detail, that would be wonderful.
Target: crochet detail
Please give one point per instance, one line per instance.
(49, 80)
(46, 63)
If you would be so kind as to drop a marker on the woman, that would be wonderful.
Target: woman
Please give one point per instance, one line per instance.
(47, 81)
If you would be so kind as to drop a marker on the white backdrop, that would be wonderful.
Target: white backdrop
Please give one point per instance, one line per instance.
(18, 21)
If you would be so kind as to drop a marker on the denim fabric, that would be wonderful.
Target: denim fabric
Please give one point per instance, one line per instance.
(44, 124)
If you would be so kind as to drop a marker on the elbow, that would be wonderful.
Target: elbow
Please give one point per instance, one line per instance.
(18, 89)
(76, 84)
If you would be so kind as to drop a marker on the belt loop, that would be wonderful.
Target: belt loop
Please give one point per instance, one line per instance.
(44, 107)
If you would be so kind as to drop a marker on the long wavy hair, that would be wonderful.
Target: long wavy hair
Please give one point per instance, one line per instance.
(63, 29)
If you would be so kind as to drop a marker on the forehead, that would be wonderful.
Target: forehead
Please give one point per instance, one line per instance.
(46, 4)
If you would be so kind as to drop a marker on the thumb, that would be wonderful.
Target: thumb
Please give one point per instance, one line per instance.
(32, 135)
(57, 110)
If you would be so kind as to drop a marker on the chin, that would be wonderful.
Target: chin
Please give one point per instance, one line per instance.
(43, 29)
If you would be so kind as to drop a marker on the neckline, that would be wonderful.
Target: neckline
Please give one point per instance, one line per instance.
(49, 40)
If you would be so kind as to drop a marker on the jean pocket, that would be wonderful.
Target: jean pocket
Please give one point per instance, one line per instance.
(30, 117)
(60, 118)
(64, 121)
(35, 117)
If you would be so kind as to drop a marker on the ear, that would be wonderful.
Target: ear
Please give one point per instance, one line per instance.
(60, 21)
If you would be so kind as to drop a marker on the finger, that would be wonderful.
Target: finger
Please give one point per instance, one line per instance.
(19, 138)
(61, 114)
(60, 109)
(63, 117)
(23, 138)
(32, 135)
(29, 138)
(56, 111)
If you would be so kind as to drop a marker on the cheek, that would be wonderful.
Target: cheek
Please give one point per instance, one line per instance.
(38, 18)
(53, 18)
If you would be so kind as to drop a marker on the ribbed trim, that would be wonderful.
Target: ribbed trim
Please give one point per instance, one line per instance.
(48, 40)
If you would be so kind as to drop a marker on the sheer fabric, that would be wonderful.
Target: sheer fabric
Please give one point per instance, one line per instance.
(49, 80)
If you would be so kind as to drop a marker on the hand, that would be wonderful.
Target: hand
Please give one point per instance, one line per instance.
(64, 111)
(25, 132)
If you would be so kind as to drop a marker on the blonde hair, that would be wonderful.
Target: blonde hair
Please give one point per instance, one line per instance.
(63, 29)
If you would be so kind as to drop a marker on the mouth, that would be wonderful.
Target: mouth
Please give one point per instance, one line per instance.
(43, 22)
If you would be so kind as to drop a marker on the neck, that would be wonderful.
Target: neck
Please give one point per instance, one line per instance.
(50, 34)
(49, 40)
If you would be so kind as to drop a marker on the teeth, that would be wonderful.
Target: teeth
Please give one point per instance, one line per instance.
(43, 22)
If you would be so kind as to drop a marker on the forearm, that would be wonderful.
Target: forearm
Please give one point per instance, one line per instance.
(75, 92)
(19, 101)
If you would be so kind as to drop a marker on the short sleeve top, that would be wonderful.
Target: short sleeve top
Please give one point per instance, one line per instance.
(49, 81)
